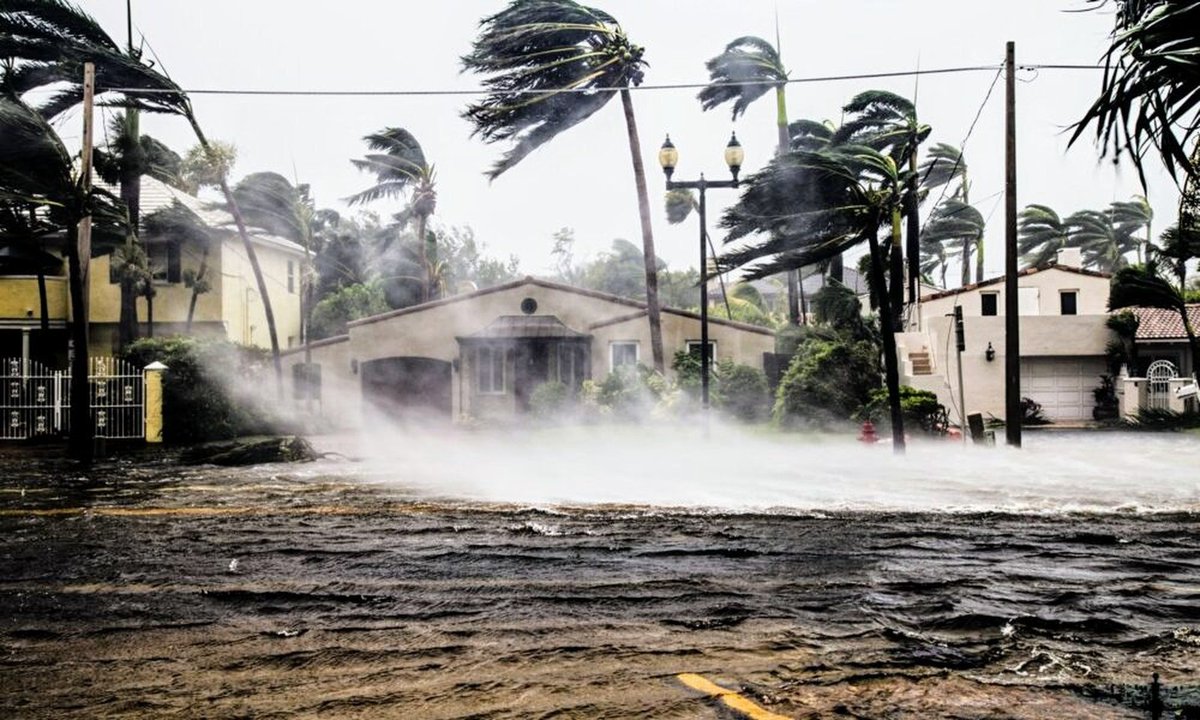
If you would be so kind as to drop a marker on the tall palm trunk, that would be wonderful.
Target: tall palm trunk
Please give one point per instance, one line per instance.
(196, 284)
(43, 301)
(251, 257)
(979, 258)
(82, 433)
(785, 142)
(427, 288)
(888, 330)
(649, 256)
(131, 195)
(967, 245)
(896, 281)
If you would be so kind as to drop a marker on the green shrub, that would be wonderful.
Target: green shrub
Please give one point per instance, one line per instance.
(201, 400)
(920, 409)
(826, 382)
(743, 391)
(331, 315)
(550, 399)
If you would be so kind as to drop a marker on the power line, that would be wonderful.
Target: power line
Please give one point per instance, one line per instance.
(661, 86)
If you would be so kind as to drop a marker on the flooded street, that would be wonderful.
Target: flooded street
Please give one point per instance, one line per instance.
(339, 589)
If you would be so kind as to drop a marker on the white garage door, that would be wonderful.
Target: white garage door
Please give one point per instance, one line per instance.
(1062, 385)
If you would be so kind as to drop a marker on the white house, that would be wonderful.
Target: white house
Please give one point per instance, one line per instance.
(1063, 311)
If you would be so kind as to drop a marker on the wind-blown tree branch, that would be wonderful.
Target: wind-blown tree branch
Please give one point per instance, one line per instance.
(818, 204)
(885, 121)
(744, 72)
(1104, 248)
(400, 169)
(1149, 100)
(549, 65)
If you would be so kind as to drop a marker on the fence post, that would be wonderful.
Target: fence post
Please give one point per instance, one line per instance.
(152, 377)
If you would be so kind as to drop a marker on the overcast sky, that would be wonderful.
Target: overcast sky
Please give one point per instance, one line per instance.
(583, 179)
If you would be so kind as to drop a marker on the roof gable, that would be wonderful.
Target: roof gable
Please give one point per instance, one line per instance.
(1023, 273)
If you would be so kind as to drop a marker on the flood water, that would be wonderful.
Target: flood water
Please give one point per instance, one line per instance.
(541, 576)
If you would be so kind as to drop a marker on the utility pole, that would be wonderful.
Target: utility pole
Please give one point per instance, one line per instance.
(1012, 321)
(78, 257)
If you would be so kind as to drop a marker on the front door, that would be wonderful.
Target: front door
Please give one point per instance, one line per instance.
(532, 368)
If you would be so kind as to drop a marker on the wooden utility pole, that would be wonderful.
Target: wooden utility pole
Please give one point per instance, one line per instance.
(1012, 320)
(78, 257)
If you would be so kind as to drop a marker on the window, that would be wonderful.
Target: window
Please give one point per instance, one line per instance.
(1068, 302)
(166, 263)
(291, 277)
(693, 348)
(489, 370)
(989, 303)
(569, 364)
(623, 354)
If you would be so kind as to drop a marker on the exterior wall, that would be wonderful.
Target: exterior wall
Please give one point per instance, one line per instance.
(730, 343)
(341, 386)
(19, 298)
(242, 308)
(1046, 334)
(171, 300)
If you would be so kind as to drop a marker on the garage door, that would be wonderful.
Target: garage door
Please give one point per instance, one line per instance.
(409, 388)
(1063, 386)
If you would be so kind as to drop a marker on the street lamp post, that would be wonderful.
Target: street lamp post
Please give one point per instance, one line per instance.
(668, 157)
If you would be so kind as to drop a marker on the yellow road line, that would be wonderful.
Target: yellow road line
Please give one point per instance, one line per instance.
(729, 698)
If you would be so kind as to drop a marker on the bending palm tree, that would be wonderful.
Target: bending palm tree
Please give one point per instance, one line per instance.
(744, 72)
(943, 165)
(1042, 233)
(400, 167)
(886, 121)
(817, 205)
(1104, 248)
(1132, 216)
(954, 221)
(570, 56)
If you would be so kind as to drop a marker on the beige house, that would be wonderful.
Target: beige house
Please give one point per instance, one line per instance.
(480, 355)
(1063, 311)
(232, 308)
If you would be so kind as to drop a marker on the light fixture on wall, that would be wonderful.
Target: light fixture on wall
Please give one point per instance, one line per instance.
(990, 353)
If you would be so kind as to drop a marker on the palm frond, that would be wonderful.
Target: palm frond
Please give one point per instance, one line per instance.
(744, 72)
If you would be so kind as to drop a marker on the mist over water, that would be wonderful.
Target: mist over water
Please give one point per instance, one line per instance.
(732, 469)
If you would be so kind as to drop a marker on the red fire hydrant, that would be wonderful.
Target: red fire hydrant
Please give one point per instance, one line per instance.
(868, 433)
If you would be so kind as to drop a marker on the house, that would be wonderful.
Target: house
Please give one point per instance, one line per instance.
(1063, 344)
(1165, 378)
(1161, 336)
(231, 308)
(482, 354)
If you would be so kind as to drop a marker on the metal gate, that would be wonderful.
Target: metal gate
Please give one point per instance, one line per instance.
(35, 401)
(1159, 376)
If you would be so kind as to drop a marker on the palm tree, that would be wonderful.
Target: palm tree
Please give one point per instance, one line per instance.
(744, 72)
(944, 165)
(1104, 248)
(400, 168)
(934, 259)
(552, 64)
(1148, 93)
(1041, 234)
(36, 169)
(885, 121)
(1132, 216)
(816, 205)
(954, 221)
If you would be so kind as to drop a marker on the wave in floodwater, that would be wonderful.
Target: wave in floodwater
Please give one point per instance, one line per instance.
(730, 469)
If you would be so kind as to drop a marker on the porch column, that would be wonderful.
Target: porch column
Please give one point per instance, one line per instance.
(25, 351)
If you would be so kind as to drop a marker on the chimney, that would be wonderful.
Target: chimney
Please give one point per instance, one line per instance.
(1071, 257)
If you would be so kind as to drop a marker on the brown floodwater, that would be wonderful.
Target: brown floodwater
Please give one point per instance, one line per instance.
(142, 589)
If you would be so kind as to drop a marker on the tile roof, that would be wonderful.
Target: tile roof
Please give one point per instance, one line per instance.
(1162, 324)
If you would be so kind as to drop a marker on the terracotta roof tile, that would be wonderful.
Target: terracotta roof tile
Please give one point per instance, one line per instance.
(1162, 324)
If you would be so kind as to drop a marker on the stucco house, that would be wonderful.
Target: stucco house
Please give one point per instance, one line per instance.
(232, 307)
(481, 354)
(1063, 345)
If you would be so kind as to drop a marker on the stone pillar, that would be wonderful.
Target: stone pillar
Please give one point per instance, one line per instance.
(152, 377)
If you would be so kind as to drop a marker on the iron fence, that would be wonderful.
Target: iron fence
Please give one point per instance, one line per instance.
(35, 400)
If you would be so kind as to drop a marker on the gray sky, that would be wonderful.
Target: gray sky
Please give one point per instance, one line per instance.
(583, 179)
